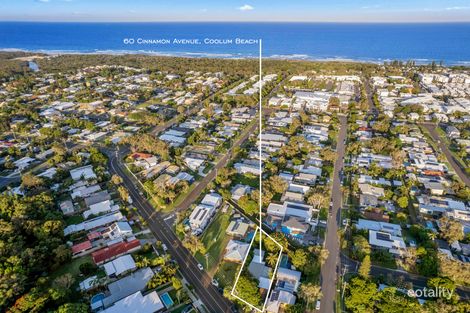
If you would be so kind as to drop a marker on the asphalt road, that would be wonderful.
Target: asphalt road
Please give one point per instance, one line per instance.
(194, 194)
(372, 108)
(210, 296)
(329, 274)
(453, 162)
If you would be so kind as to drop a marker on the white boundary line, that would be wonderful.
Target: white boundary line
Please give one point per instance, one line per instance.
(273, 273)
(260, 147)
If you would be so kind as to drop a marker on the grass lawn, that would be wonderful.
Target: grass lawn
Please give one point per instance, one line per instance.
(215, 241)
(226, 273)
(75, 219)
(246, 179)
(72, 267)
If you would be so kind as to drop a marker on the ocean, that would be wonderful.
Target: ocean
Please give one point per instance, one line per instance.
(446, 42)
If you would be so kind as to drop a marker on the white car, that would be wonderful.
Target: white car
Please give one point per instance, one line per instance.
(199, 265)
(215, 282)
(317, 306)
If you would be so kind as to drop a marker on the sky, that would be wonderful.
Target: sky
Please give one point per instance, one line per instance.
(236, 10)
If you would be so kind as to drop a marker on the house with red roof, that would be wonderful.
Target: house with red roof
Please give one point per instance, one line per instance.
(115, 250)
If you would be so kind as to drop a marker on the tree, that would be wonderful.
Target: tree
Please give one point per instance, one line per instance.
(451, 230)
(73, 308)
(403, 202)
(328, 155)
(193, 244)
(398, 156)
(318, 200)
(31, 181)
(271, 259)
(276, 184)
(247, 289)
(176, 282)
(123, 193)
(364, 269)
(361, 247)
(310, 293)
(361, 295)
(223, 177)
(299, 258)
(116, 179)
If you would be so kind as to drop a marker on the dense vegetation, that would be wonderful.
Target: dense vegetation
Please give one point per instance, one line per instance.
(31, 246)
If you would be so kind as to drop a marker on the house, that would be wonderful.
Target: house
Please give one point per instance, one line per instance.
(212, 199)
(287, 208)
(97, 197)
(248, 166)
(239, 191)
(295, 227)
(452, 132)
(393, 229)
(259, 270)
(200, 217)
(115, 250)
(67, 207)
(194, 162)
(23, 163)
(237, 229)
(279, 298)
(288, 279)
(137, 303)
(84, 191)
(287, 284)
(100, 207)
(81, 247)
(121, 265)
(370, 195)
(236, 251)
(84, 172)
(118, 230)
(93, 223)
(387, 241)
(126, 286)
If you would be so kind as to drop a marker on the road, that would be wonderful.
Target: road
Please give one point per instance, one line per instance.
(201, 282)
(416, 280)
(196, 192)
(431, 127)
(372, 108)
(329, 274)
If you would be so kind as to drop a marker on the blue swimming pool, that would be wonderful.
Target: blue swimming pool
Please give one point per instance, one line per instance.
(97, 297)
(166, 299)
(96, 301)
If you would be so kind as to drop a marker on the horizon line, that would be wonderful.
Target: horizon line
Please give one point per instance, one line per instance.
(239, 21)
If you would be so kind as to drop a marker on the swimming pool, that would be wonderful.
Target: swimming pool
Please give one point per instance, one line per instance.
(166, 299)
(96, 301)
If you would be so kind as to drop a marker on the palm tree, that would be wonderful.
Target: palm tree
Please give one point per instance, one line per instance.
(271, 259)
(310, 293)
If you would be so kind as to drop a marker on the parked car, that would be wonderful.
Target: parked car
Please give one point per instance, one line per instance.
(215, 282)
(317, 306)
(199, 265)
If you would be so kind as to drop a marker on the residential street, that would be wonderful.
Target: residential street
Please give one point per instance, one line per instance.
(329, 274)
(201, 282)
(201, 185)
(431, 127)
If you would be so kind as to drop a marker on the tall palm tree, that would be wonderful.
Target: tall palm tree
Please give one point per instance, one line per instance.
(310, 292)
(271, 259)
